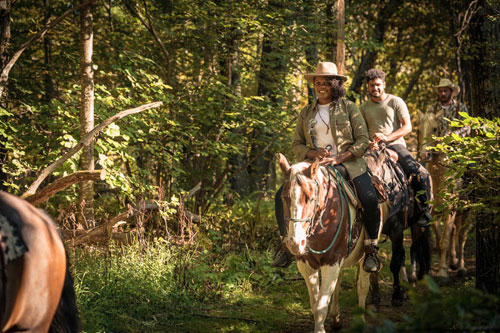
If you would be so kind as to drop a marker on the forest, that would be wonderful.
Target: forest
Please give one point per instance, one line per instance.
(149, 131)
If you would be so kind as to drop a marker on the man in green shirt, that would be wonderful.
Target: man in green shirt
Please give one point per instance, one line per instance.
(388, 121)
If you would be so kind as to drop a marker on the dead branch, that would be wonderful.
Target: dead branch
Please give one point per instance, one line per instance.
(62, 183)
(4, 76)
(84, 142)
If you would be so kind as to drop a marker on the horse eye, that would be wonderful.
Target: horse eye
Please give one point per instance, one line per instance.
(434, 130)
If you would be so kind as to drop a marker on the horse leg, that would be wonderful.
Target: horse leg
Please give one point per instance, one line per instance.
(363, 286)
(423, 251)
(397, 262)
(442, 275)
(311, 277)
(453, 245)
(329, 278)
(334, 306)
(463, 230)
(413, 255)
(374, 292)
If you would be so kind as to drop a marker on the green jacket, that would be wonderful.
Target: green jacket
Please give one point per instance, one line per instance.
(349, 132)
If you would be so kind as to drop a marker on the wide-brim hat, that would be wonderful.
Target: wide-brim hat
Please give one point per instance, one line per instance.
(445, 83)
(325, 69)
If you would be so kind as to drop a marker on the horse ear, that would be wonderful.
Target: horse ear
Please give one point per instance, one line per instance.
(439, 114)
(284, 165)
(420, 115)
(314, 168)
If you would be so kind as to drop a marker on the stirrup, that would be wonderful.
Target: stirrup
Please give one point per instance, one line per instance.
(371, 262)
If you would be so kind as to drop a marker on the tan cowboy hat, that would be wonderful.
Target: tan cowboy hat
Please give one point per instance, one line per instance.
(445, 83)
(325, 69)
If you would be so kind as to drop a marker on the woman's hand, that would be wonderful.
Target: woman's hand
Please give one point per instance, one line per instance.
(319, 153)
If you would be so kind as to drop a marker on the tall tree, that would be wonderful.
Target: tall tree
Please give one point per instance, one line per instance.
(5, 22)
(484, 35)
(86, 195)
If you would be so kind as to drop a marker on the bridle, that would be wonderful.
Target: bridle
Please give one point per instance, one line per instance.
(316, 205)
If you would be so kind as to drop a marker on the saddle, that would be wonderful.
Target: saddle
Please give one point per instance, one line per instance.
(390, 181)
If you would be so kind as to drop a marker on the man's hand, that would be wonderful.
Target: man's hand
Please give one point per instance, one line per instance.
(380, 137)
(373, 145)
(329, 161)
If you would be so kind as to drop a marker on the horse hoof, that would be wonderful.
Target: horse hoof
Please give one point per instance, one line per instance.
(462, 272)
(336, 326)
(398, 296)
(453, 267)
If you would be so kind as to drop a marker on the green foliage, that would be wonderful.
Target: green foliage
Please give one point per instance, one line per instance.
(160, 287)
(460, 309)
(475, 162)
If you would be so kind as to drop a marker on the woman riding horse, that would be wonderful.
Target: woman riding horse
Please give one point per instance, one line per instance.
(333, 131)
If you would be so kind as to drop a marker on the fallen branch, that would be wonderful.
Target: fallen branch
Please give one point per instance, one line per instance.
(84, 142)
(4, 76)
(62, 183)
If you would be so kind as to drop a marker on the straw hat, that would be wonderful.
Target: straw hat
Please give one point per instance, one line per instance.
(445, 83)
(325, 69)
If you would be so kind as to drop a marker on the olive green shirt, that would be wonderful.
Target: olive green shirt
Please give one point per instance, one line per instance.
(385, 117)
(348, 129)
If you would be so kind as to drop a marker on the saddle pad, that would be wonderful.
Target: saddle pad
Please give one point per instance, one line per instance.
(343, 182)
(12, 243)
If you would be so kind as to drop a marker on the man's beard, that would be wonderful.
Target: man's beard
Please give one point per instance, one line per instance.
(448, 99)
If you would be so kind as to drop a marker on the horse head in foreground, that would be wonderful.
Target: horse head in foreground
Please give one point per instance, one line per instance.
(37, 289)
(322, 234)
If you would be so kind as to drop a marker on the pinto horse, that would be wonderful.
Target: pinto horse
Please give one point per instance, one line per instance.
(36, 292)
(453, 233)
(321, 221)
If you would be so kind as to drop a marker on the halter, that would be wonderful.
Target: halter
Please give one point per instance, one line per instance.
(316, 204)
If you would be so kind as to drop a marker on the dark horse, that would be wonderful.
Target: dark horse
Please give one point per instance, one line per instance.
(403, 213)
(37, 292)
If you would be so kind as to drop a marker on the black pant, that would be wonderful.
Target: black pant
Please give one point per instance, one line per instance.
(366, 195)
(420, 182)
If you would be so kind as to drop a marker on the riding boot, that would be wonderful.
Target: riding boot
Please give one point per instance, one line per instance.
(422, 187)
(282, 258)
(371, 264)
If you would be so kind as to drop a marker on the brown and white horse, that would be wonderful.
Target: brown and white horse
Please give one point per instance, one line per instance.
(321, 219)
(37, 289)
(453, 232)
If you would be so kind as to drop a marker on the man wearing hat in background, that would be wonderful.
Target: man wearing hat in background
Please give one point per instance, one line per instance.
(446, 91)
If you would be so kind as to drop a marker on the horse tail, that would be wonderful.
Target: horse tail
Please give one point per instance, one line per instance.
(66, 318)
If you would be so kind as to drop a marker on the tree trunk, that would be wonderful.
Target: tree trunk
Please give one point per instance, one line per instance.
(49, 93)
(368, 59)
(86, 195)
(4, 58)
(485, 73)
(341, 37)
